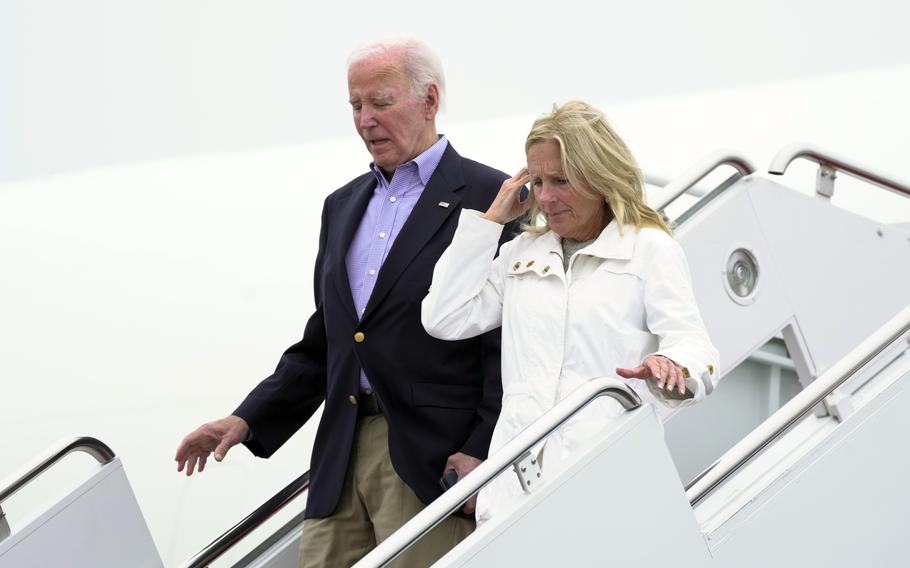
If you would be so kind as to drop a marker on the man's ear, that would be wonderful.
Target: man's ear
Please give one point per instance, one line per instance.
(432, 101)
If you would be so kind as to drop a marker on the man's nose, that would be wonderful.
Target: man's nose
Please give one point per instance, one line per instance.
(365, 118)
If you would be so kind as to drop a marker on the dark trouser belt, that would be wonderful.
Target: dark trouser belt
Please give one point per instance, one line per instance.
(367, 405)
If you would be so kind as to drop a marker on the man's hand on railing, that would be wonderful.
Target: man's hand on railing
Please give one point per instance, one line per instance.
(463, 464)
(217, 436)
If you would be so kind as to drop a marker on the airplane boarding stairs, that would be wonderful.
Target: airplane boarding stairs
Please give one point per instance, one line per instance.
(808, 424)
(825, 493)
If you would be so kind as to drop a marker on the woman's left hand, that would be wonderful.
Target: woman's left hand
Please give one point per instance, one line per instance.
(657, 368)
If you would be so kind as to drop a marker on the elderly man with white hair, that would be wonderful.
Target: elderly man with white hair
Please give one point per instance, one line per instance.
(401, 408)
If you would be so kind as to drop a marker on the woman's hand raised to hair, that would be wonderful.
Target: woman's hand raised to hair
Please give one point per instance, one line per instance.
(507, 207)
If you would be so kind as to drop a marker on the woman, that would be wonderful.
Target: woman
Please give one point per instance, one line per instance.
(594, 286)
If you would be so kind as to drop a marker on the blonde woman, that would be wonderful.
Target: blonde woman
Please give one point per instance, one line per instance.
(594, 286)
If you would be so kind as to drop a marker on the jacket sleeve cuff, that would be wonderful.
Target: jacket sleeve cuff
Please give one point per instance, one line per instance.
(477, 445)
(473, 221)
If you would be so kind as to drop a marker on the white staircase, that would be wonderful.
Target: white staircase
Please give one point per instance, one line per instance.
(798, 459)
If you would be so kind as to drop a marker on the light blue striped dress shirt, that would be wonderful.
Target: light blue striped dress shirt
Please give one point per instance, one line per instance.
(389, 208)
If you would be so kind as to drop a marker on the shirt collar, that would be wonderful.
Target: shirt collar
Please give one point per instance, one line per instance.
(425, 162)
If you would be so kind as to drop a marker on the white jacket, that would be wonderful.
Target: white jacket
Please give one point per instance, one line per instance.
(624, 297)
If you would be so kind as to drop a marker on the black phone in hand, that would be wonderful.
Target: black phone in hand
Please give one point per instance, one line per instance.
(448, 479)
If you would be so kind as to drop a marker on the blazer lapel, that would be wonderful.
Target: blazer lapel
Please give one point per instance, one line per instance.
(427, 217)
(350, 213)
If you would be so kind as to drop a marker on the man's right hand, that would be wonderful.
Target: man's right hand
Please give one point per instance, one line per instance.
(217, 436)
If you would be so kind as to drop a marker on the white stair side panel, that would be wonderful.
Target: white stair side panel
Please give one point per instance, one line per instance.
(621, 504)
(727, 223)
(844, 503)
(844, 274)
(97, 524)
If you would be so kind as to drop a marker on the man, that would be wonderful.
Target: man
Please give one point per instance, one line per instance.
(401, 408)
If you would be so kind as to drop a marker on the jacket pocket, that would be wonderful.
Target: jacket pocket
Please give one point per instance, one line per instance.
(441, 395)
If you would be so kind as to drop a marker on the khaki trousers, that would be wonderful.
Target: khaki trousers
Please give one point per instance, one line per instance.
(374, 503)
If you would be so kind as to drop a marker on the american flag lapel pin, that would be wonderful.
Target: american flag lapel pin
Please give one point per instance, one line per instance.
(443, 204)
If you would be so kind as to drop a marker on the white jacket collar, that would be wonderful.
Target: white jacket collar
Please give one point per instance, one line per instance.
(612, 245)
(542, 256)
(609, 244)
(545, 251)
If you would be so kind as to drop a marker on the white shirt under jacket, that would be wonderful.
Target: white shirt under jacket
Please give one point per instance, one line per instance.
(624, 297)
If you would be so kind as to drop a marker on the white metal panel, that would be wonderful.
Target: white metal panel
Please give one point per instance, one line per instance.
(825, 273)
(97, 524)
(845, 275)
(742, 401)
(843, 503)
(728, 223)
(620, 505)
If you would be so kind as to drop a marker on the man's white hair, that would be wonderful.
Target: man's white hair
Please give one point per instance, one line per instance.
(420, 64)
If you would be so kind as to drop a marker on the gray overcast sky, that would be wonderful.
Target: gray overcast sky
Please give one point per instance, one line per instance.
(99, 82)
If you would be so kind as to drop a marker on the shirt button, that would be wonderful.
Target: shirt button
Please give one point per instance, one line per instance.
(382, 235)
(372, 272)
(393, 199)
(353, 400)
(359, 337)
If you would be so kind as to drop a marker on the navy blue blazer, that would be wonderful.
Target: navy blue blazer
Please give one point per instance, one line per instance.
(439, 397)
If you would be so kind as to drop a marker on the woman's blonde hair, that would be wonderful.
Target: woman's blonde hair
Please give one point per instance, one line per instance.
(596, 162)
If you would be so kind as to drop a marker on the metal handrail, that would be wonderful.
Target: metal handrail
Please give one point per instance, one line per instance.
(662, 182)
(829, 162)
(250, 523)
(799, 406)
(91, 446)
(454, 498)
(698, 171)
